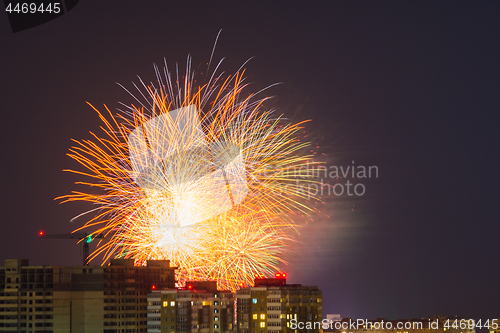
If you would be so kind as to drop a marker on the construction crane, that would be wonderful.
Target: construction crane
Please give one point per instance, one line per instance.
(87, 238)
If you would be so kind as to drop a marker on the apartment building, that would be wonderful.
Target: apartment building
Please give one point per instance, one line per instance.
(271, 304)
(108, 299)
(198, 308)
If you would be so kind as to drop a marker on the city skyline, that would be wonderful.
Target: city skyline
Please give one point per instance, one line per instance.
(121, 295)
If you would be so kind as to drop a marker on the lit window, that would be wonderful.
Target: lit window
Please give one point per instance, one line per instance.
(254, 301)
(262, 316)
(172, 303)
(216, 318)
(216, 326)
(262, 324)
(254, 316)
(165, 303)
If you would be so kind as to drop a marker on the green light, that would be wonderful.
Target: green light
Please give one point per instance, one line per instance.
(89, 238)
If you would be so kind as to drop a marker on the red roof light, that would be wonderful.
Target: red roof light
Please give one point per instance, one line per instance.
(190, 286)
(40, 233)
(280, 275)
(153, 287)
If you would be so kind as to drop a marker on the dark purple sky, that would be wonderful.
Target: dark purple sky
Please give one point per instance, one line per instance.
(409, 87)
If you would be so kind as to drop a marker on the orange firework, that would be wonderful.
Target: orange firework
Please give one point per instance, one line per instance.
(200, 176)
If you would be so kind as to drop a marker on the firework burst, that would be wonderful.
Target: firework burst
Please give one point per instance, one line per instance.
(201, 176)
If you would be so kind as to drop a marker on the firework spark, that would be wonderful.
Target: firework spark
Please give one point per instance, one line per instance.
(200, 176)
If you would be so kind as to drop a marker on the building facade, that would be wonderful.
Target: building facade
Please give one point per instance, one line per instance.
(108, 299)
(271, 304)
(198, 308)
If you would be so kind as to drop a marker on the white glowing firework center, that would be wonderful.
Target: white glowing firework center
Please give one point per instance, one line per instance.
(171, 158)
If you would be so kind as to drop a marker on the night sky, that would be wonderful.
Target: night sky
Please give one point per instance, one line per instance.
(409, 87)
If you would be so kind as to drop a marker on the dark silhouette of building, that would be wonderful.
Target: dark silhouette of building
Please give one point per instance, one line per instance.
(107, 299)
(272, 304)
(198, 308)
